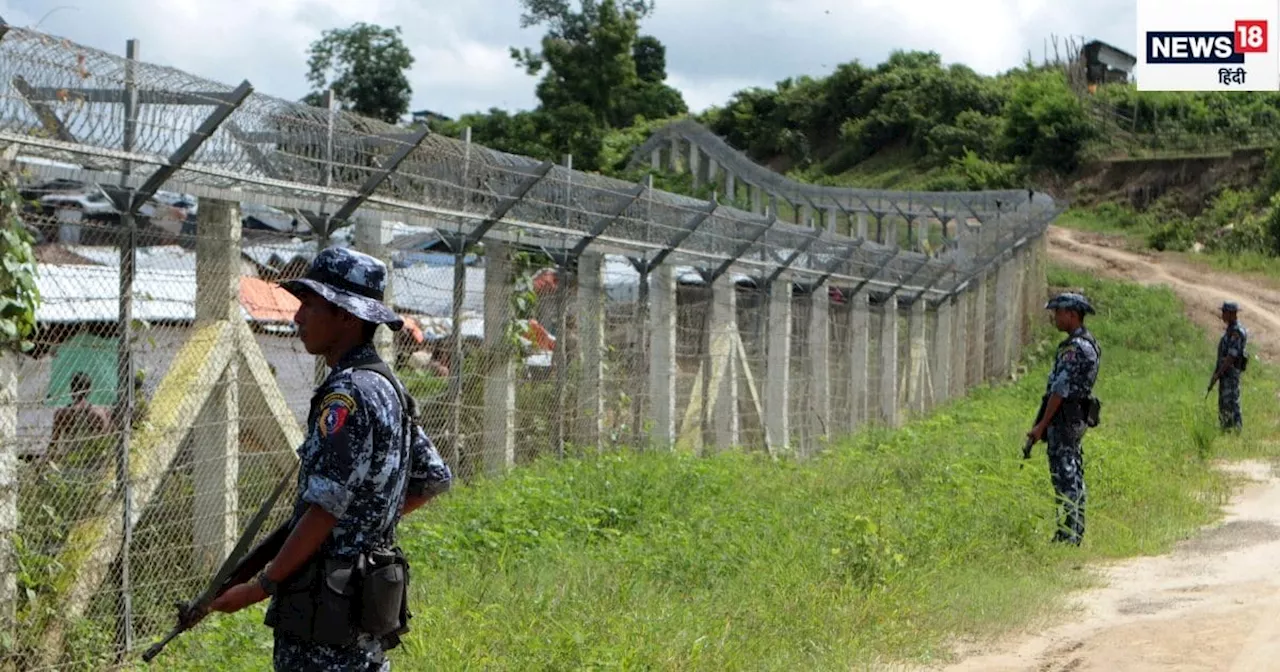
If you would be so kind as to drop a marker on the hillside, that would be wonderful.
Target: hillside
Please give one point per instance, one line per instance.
(1174, 171)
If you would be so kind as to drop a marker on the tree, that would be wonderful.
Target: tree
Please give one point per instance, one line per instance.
(19, 294)
(598, 73)
(365, 66)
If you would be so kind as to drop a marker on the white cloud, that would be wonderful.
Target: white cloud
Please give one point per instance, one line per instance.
(715, 47)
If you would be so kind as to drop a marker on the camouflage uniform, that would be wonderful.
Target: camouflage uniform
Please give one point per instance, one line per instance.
(1232, 344)
(1075, 369)
(354, 462)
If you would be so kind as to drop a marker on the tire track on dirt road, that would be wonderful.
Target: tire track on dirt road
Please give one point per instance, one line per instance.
(1213, 602)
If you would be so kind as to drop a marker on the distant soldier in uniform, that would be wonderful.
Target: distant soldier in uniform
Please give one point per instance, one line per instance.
(358, 473)
(1231, 349)
(1066, 409)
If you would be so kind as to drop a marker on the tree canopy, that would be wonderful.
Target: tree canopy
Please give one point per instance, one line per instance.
(365, 66)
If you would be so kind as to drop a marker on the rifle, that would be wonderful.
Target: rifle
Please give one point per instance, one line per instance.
(1026, 448)
(241, 565)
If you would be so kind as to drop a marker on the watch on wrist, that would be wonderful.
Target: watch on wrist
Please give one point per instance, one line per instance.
(268, 586)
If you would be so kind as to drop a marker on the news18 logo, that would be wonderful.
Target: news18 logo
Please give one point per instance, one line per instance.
(1205, 47)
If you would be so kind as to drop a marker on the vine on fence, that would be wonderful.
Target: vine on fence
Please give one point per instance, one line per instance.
(18, 292)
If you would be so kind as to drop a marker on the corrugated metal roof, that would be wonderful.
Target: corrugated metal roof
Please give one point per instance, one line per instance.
(92, 294)
(160, 257)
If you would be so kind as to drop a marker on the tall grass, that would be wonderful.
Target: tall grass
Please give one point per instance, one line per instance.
(883, 549)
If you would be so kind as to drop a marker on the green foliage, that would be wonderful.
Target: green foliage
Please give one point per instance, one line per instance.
(365, 66)
(1046, 122)
(19, 295)
(600, 74)
(1176, 115)
(887, 547)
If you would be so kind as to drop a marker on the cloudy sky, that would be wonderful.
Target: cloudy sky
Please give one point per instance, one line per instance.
(714, 47)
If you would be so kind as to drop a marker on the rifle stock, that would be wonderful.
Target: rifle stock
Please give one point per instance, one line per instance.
(244, 569)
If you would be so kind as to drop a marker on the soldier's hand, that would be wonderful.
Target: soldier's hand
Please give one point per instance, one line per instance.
(238, 597)
(1036, 433)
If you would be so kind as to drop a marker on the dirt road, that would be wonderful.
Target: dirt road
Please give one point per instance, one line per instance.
(1203, 291)
(1214, 602)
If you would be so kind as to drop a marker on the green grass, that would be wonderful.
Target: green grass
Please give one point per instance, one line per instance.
(883, 549)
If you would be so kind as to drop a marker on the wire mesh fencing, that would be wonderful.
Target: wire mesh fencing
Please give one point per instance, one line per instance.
(549, 312)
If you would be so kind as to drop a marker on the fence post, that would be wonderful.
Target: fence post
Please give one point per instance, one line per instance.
(673, 159)
(918, 355)
(859, 359)
(695, 165)
(889, 362)
(943, 347)
(978, 333)
(722, 355)
(591, 348)
(730, 186)
(777, 384)
(818, 335)
(960, 343)
(1005, 298)
(8, 488)
(662, 356)
(499, 380)
(215, 438)
(373, 237)
(890, 230)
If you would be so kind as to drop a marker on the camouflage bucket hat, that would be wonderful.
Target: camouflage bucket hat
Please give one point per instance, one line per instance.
(351, 280)
(1070, 301)
(1230, 307)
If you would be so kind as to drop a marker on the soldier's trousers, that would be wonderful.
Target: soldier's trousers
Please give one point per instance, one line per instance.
(296, 656)
(1066, 469)
(1229, 401)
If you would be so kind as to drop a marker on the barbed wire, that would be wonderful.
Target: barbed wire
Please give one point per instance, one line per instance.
(679, 319)
(66, 102)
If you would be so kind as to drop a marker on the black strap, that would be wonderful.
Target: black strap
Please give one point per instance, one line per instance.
(408, 411)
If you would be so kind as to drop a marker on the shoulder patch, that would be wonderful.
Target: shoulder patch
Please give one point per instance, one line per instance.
(335, 408)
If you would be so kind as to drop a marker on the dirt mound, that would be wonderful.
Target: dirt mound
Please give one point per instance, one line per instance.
(1188, 180)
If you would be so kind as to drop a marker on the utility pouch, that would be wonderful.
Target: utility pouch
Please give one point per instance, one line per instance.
(384, 592)
(317, 604)
(335, 620)
(292, 611)
(1093, 411)
(1244, 362)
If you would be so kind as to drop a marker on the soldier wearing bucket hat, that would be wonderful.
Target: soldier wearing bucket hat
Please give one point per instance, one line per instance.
(1067, 410)
(1232, 360)
(364, 464)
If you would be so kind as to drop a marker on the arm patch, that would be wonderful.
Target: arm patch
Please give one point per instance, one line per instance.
(335, 408)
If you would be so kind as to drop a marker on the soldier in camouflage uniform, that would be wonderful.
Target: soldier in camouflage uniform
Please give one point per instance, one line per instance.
(1063, 424)
(357, 473)
(1231, 349)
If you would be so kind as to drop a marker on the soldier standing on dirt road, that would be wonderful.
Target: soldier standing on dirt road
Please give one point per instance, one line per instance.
(1068, 410)
(1231, 362)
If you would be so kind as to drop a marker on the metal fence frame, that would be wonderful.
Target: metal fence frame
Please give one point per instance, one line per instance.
(140, 128)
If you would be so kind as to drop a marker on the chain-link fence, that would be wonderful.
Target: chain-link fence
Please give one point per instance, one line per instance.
(548, 311)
